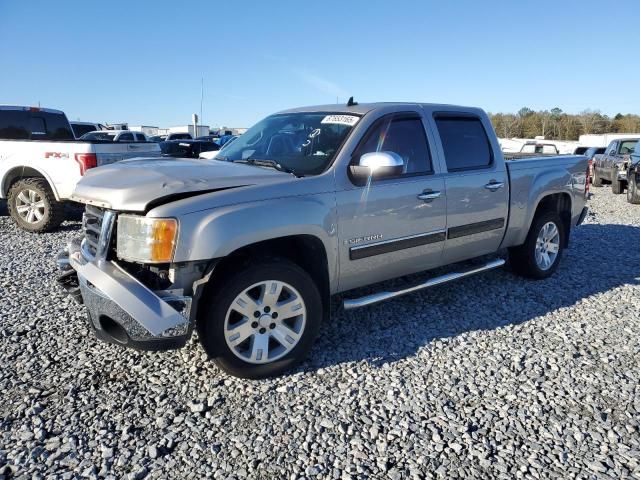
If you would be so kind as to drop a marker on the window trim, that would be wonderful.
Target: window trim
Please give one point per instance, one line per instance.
(470, 116)
(404, 115)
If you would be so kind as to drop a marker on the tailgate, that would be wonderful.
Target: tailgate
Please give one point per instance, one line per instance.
(108, 153)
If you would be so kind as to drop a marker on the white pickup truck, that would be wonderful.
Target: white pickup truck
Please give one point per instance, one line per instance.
(41, 162)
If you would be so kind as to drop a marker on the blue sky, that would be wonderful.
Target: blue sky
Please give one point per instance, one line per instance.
(142, 62)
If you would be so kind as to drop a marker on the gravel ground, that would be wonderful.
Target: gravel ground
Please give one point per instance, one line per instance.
(494, 376)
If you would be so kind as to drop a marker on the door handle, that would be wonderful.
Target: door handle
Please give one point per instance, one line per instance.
(493, 186)
(429, 196)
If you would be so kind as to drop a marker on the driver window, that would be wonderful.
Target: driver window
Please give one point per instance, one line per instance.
(404, 135)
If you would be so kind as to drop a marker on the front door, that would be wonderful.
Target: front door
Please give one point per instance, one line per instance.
(394, 226)
(477, 188)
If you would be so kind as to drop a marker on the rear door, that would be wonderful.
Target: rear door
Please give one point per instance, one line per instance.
(477, 187)
(393, 226)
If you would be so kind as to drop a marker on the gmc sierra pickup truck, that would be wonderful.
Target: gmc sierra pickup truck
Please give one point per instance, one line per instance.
(612, 165)
(247, 248)
(41, 161)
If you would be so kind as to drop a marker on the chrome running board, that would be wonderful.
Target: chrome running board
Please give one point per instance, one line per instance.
(350, 304)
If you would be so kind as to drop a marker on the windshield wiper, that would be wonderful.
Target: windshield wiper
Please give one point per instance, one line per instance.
(266, 163)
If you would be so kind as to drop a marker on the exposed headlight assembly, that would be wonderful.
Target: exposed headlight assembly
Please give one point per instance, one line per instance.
(146, 240)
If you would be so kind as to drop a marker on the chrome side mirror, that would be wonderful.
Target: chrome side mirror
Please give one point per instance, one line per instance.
(377, 165)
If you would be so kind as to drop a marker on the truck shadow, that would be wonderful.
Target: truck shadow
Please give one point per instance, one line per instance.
(392, 331)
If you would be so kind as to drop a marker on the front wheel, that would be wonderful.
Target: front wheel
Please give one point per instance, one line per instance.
(538, 257)
(632, 190)
(617, 186)
(262, 320)
(597, 181)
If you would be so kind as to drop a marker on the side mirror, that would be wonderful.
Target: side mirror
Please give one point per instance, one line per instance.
(376, 165)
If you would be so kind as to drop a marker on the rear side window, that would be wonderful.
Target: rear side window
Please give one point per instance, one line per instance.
(14, 125)
(402, 134)
(140, 137)
(126, 137)
(56, 124)
(465, 143)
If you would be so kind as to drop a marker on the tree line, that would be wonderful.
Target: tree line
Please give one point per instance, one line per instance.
(555, 124)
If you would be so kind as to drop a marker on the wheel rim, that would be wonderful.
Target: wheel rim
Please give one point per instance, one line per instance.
(547, 246)
(265, 322)
(30, 206)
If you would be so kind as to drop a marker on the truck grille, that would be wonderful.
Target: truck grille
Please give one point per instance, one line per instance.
(92, 226)
(97, 224)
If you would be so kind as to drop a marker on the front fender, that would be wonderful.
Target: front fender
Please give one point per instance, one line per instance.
(218, 232)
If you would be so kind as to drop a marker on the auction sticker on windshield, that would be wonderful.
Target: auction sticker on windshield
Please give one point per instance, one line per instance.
(350, 120)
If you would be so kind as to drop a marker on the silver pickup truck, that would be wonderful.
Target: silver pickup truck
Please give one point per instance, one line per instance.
(612, 165)
(249, 247)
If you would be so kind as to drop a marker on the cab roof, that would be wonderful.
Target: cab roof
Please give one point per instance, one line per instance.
(363, 108)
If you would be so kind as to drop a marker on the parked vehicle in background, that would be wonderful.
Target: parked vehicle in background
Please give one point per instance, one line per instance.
(115, 136)
(80, 128)
(540, 148)
(612, 165)
(178, 136)
(633, 177)
(590, 152)
(187, 148)
(41, 162)
(308, 203)
(208, 138)
(224, 139)
(580, 150)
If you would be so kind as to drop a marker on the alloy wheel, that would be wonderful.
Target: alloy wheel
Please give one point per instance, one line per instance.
(30, 206)
(547, 246)
(265, 322)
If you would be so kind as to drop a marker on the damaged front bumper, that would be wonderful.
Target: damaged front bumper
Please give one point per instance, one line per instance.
(120, 308)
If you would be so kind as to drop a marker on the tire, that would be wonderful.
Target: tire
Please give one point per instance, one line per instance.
(523, 258)
(33, 206)
(222, 319)
(617, 186)
(597, 181)
(633, 196)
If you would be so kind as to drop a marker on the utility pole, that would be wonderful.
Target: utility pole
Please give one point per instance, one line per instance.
(201, 97)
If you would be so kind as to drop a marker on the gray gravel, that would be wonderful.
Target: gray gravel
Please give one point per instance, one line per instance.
(494, 376)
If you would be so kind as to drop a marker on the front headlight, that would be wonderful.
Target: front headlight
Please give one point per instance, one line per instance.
(146, 240)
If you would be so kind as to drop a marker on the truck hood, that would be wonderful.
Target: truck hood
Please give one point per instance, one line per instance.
(138, 184)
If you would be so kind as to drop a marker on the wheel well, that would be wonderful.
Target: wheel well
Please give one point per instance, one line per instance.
(16, 174)
(561, 204)
(306, 251)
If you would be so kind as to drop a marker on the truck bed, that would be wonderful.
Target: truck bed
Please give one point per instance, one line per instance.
(531, 178)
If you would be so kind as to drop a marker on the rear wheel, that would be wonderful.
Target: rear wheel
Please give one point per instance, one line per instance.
(633, 196)
(262, 320)
(617, 186)
(538, 257)
(33, 206)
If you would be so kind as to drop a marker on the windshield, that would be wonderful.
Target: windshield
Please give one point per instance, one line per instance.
(180, 136)
(99, 136)
(304, 143)
(627, 147)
